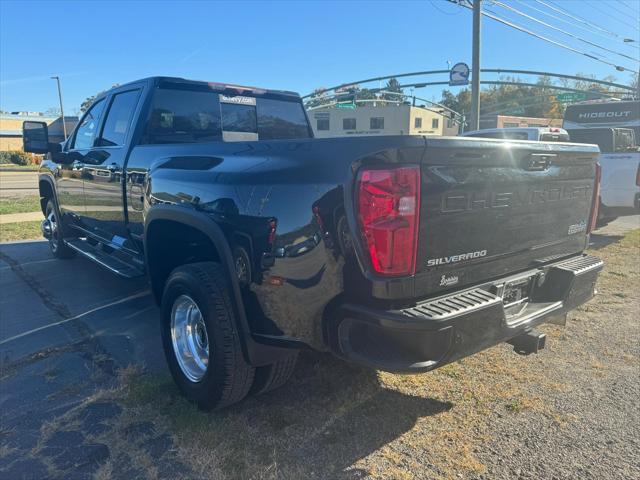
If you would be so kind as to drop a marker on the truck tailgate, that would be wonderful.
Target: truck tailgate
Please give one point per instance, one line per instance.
(493, 207)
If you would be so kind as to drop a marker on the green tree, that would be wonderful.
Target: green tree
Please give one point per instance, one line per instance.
(393, 85)
(84, 106)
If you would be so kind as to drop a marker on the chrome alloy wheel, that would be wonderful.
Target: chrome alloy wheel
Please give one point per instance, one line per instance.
(51, 229)
(189, 336)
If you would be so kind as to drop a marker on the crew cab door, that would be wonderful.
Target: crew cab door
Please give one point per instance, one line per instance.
(69, 171)
(103, 169)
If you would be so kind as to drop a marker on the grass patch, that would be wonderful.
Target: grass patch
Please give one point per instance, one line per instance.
(631, 239)
(26, 204)
(10, 232)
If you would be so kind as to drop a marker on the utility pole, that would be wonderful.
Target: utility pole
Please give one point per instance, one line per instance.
(475, 66)
(64, 125)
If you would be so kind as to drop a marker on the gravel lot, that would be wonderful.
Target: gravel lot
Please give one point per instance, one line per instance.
(91, 397)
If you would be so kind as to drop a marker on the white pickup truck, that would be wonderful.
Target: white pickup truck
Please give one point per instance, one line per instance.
(620, 161)
(537, 134)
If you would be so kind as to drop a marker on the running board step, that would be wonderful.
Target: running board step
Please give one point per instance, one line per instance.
(115, 265)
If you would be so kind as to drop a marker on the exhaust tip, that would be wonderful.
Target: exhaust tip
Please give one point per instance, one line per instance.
(528, 342)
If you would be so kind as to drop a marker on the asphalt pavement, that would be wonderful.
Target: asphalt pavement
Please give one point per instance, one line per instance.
(66, 328)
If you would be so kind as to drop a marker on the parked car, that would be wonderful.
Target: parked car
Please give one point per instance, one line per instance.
(401, 253)
(536, 134)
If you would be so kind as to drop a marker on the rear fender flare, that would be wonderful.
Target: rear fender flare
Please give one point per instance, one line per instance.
(204, 224)
(255, 353)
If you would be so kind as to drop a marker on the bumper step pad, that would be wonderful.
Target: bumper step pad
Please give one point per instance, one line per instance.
(447, 307)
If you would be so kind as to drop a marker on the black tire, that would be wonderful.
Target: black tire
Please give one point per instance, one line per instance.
(228, 378)
(56, 244)
(274, 376)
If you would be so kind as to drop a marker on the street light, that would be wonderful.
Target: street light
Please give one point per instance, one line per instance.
(64, 125)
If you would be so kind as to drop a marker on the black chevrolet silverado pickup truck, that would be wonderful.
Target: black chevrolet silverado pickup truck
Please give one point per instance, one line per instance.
(402, 253)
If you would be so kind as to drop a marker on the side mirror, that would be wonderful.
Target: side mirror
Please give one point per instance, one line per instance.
(35, 137)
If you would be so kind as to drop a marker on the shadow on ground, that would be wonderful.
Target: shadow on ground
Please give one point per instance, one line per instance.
(599, 241)
(328, 417)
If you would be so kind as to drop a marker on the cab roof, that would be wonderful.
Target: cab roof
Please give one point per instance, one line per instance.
(216, 86)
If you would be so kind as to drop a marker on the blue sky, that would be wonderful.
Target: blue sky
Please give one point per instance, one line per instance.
(289, 45)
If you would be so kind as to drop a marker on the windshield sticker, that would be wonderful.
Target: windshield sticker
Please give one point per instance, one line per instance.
(238, 100)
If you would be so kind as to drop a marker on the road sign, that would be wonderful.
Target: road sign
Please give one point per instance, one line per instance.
(571, 97)
(345, 105)
(459, 74)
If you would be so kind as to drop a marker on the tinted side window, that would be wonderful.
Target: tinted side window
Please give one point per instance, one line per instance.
(88, 129)
(183, 116)
(281, 119)
(116, 125)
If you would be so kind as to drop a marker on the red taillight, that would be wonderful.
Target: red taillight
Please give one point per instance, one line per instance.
(595, 199)
(388, 203)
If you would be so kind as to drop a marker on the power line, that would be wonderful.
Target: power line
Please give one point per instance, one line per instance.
(433, 3)
(635, 12)
(574, 23)
(619, 10)
(614, 17)
(566, 13)
(588, 42)
(549, 40)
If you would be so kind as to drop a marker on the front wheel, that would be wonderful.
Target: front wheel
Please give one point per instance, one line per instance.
(56, 243)
(200, 337)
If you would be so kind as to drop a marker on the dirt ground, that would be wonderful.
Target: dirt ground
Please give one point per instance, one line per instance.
(569, 412)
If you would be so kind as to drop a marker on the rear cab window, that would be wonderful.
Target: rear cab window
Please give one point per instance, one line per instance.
(554, 137)
(195, 114)
(501, 135)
